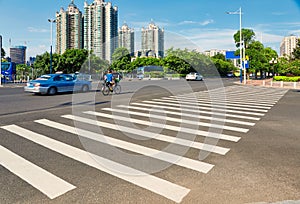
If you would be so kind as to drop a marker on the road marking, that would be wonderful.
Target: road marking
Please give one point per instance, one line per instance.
(225, 102)
(159, 186)
(200, 104)
(246, 96)
(169, 127)
(214, 104)
(243, 100)
(189, 115)
(204, 108)
(161, 137)
(197, 111)
(156, 154)
(49, 184)
(178, 120)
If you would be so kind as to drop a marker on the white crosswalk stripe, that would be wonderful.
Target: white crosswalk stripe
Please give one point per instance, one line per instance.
(162, 187)
(164, 156)
(221, 114)
(224, 103)
(241, 106)
(225, 127)
(191, 115)
(161, 137)
(204, 108)
(169, 127)
(44, 181)
(225, 106)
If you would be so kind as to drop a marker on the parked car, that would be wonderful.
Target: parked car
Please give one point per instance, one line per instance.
(194, 76)
(56, 83)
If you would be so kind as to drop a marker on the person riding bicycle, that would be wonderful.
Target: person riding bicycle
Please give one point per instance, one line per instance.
(109, 79)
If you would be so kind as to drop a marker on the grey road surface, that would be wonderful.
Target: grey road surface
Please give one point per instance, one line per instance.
(163, 141)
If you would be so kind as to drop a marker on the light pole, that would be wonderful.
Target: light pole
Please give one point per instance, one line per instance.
(273, 62)
(0, 60)
(239, 12)
(51, 41)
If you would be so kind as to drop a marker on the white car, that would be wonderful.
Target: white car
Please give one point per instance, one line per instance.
(194, 76)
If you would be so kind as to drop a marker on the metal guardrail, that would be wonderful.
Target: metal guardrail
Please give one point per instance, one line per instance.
(275, 84)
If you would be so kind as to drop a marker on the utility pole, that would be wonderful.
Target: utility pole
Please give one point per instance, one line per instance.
(51, 42)
(242, 65)
(0, 60)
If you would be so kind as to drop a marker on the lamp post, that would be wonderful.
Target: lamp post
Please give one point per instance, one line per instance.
(0, 60)
(51, 41)
(239, 12)
(273, 61)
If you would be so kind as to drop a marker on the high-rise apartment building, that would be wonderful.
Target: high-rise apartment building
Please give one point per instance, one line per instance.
(153, 41)
(18, 54)
(126, 38)
(101, 28)
(288, 45)
(69, 29)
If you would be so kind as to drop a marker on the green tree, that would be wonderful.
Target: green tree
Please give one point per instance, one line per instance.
(22, 71)
(223, 66)
(248, 36)
(144, 61)
(271, 55)
(296, 52)
(94, 65)
(121, 59)
(176, 64)
(42, 63)
(71, 60)
(258, 60)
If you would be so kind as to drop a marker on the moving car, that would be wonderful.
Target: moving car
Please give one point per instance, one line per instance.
(194, 76)
(56, 83)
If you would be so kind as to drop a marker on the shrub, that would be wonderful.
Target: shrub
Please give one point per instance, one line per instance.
(286, 78)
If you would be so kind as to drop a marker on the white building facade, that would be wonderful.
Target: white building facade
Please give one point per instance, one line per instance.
(69, 27)
(288, 45)
(101, 28)
(126, 38)
(153, 41)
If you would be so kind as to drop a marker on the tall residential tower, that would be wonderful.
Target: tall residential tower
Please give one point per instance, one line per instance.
(101, 28)
(288, 45)
(18, 54)
(69, 29)
(153, 41)
(126, 38)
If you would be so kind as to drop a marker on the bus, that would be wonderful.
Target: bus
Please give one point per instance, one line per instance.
(8, 71)
(142, 72)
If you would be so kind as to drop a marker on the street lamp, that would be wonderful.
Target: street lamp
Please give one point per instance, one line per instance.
(239, 12)
(51, 41)
(273, 61)
(0, 60)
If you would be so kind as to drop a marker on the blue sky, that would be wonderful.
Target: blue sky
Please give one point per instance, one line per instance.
(199, 24)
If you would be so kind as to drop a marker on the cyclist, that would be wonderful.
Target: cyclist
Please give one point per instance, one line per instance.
(109, 79)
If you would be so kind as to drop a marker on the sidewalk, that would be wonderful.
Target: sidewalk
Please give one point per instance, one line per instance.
(271, 83)
(12, 85)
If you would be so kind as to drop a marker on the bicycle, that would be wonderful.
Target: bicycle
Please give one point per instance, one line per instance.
(108, 88)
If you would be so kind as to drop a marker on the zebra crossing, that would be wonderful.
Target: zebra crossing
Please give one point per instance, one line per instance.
(226, 118)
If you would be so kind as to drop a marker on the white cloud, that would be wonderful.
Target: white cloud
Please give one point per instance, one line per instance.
(37, 30)
(203, 23)
(187, 22)
(32, 51)
(201, 39)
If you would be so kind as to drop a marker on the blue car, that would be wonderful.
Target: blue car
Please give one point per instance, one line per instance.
(57, 83)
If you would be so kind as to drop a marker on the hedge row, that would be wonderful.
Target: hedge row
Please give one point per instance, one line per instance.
(285, 78)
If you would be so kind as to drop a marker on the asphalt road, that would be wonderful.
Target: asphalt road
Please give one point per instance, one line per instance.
(246, 144)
